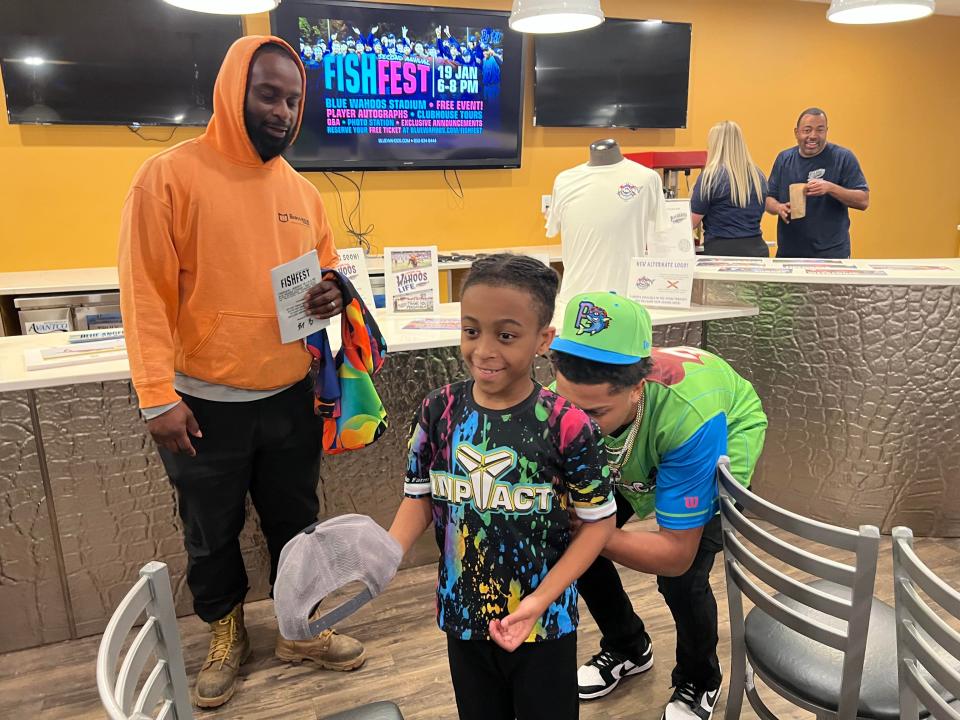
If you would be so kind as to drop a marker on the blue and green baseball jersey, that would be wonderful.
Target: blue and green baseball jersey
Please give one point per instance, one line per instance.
(696, 408)
(501, 482)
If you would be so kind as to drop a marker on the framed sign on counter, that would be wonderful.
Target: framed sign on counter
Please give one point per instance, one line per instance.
(411, 279)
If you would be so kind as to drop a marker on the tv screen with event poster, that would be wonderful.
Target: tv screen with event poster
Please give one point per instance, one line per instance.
(404, 86)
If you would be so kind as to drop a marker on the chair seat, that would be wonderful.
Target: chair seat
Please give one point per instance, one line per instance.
(812, 671)
(374, 711)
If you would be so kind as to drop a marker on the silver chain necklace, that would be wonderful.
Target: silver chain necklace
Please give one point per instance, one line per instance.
(617, 463)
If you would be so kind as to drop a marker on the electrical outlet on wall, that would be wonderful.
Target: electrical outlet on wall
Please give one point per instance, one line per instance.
(545, 201)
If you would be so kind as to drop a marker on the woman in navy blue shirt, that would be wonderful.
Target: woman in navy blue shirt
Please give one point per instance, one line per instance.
(728, 197)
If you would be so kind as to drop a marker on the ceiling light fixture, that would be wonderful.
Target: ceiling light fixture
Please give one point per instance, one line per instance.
(555, 16)
(875, 12)
(227, 7)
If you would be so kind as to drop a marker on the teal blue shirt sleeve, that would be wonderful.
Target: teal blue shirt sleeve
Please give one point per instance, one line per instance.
(686, 490)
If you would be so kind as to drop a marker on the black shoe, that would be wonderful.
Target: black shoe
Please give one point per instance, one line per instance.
(689, 703)
(603, 672)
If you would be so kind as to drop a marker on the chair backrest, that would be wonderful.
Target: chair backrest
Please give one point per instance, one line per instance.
(742, 565)
(917, 625)
(163, 694)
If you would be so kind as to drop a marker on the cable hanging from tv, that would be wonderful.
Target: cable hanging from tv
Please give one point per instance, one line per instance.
(353, 227)
(135, 128)
(458, 191)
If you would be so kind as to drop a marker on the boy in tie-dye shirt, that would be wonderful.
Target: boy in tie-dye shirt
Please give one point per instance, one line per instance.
(497, 463)
(501, 482)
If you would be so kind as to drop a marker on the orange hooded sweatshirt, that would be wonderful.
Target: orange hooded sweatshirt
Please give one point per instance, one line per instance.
(202, 225)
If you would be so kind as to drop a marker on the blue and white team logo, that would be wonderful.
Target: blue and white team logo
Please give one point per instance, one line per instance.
(591, 318)
(644, 282)
(628, 191)
(816, 174)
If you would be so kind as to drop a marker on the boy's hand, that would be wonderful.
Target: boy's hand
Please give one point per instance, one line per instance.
(510, 632)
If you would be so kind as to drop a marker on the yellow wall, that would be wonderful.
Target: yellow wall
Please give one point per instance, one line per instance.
(891, 92)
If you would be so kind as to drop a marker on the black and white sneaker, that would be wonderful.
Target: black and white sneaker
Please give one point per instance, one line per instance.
(602, 673)
(688, 703)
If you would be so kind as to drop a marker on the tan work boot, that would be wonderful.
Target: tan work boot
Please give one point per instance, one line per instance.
(329, 650)
(229, 649)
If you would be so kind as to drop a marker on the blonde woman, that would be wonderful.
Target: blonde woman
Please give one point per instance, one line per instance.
(728, 197)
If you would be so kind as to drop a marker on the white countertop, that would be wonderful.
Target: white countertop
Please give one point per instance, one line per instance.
(375, 262)
(14, 376)
(37, 282)
(859, 271)
(105, 278)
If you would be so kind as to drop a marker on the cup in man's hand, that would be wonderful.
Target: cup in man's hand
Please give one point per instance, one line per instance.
(798, 200)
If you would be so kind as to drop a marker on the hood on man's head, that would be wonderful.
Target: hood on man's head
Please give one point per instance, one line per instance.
(227, 131)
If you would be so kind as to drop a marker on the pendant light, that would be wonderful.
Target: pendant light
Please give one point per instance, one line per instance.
(227, 7)
(555, 16)
(875, 12)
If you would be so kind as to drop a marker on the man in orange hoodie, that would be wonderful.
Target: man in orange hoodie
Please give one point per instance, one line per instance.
(229, 405)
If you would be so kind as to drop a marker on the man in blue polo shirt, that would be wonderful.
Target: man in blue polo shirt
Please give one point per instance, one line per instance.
(834, 184)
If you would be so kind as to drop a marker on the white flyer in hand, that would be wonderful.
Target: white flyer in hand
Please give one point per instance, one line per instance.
(353, 266)
(290, 284)
(661, 282)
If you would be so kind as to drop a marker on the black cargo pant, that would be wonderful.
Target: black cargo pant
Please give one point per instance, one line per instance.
(688, 596)
(269, 448)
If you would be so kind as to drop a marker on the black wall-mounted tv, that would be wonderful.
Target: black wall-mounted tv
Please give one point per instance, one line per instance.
(113, 62)
(405, 86)
(622, 73)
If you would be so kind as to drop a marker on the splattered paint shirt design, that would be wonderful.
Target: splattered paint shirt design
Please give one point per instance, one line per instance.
(501, 483)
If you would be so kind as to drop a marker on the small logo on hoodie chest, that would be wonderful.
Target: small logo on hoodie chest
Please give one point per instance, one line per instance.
(292, 217)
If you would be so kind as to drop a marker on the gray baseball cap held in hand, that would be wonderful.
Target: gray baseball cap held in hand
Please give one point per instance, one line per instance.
(323, 558)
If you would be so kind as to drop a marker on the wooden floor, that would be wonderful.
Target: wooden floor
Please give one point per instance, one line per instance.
(406, 658)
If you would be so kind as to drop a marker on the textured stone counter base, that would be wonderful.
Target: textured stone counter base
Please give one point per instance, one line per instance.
(861, 384)
(67, 564)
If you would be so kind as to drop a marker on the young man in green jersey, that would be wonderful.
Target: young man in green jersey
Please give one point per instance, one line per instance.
(667, 415)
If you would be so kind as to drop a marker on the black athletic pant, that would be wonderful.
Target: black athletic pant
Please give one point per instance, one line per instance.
(743, 247)
(688, 596)
(269, 448)
(537, 681)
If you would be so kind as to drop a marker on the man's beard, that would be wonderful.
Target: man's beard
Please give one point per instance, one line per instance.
(266, 145)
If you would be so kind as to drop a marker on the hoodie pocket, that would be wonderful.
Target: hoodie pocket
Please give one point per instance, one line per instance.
(244, 350)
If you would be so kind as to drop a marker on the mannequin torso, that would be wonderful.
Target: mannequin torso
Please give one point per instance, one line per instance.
(604, 152)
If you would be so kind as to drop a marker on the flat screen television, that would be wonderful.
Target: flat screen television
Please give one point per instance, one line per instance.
(622, 73)
(111, 62)
(405, 86)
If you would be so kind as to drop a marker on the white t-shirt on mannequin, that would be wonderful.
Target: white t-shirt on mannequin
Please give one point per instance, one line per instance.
(607, 214)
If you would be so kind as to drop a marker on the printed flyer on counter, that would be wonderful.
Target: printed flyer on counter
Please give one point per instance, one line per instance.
(852, 271)
(433, 323)
(728, 260)
(353, 266)
(661, 282)
(909, 268)
(677, 242)
(412, 283)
